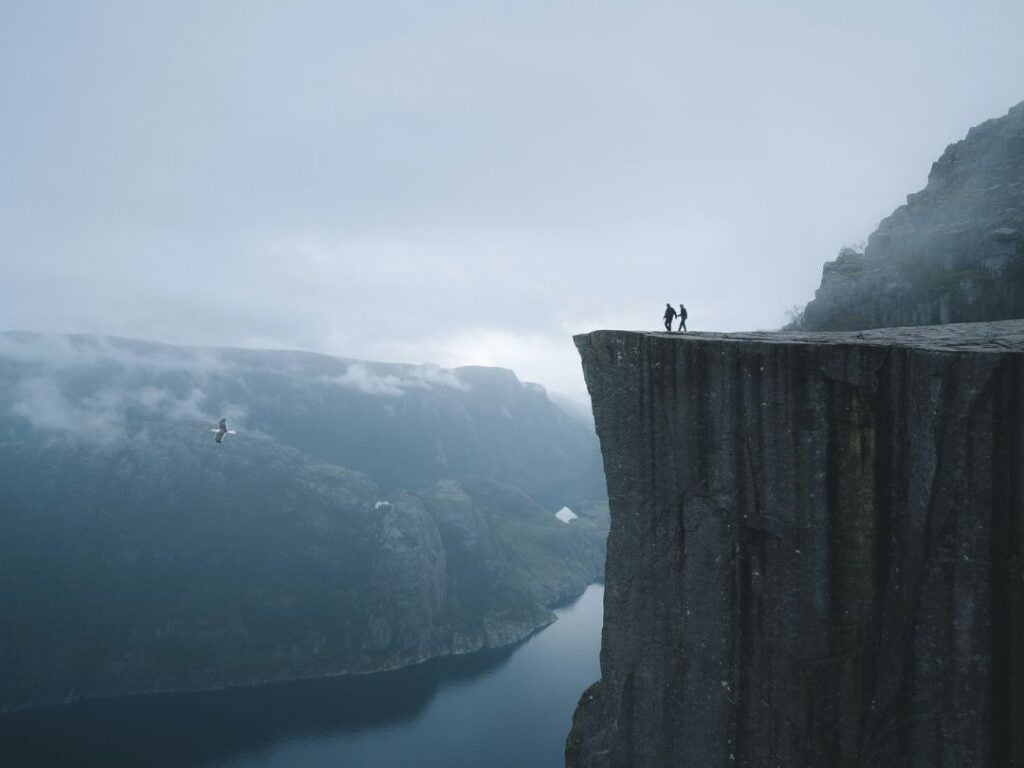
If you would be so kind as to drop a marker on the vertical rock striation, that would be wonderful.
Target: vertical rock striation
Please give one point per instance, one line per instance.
(817, 549)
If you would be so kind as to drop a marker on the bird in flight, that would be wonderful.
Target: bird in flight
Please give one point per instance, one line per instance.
(221, 430)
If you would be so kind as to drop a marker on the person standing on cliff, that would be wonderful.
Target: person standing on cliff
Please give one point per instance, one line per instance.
(682, 318)
(670, 315)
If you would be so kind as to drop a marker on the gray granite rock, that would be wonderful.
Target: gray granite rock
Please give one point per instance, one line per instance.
(816, 554)
(953, 253)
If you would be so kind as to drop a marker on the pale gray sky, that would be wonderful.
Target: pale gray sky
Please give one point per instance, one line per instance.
(464, 182)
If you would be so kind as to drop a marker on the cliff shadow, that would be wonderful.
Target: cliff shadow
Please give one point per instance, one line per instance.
(203, 728)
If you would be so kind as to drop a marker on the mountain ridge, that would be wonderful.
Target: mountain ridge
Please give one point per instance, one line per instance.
(137, 555)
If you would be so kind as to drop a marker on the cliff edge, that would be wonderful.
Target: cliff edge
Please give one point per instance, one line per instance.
(816, 553)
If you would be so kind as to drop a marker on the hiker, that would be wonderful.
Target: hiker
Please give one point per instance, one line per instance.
(682, 318)
(670, 315)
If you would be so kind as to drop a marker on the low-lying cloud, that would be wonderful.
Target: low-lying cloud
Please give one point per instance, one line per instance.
(102, 416)
(68, 352)
(101, 390)
(47, 409)
(360, 378)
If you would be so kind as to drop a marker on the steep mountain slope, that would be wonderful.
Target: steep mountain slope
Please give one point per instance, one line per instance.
(137, 555)
(953, 253)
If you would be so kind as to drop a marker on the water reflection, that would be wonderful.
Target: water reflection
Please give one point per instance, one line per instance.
(455, 705)
(202, 728)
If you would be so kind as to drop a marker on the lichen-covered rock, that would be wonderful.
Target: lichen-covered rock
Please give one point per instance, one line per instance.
(817, 549)
(953, 253)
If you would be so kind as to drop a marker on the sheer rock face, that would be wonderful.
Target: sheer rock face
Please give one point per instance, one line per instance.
(817, 549)
(954, 253)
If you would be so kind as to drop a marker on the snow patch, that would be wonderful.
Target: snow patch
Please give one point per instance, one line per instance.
(566, 515)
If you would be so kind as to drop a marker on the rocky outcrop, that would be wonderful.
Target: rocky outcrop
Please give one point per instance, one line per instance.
(817, 549)
(953, 253)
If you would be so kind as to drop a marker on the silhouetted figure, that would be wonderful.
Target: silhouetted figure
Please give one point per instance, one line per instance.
(670, 315)
(682, 318)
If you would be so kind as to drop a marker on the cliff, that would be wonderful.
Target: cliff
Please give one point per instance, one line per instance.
(953, 253)
(816, 553)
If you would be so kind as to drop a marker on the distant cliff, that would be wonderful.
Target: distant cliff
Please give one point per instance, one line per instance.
(136, 554)
(953, 253)
(816, 555)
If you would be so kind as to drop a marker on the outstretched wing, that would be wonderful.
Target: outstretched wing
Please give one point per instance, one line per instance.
(219, 437)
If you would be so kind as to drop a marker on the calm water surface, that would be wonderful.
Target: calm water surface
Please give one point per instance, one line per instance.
(488, 710)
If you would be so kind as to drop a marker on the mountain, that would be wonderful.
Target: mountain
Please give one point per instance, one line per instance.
(404, 426)
(366, 516)
(954, 253)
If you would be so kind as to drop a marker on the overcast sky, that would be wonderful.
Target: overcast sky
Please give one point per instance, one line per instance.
(464, 182)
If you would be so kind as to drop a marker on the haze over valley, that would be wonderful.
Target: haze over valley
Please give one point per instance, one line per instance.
(299, 465)
(364, 517)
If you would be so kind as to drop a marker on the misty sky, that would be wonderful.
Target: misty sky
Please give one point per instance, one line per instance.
(464, 182)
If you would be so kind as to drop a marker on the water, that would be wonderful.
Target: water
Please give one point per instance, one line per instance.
(502, 709)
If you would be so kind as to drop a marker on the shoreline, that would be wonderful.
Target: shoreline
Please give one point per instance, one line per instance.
(440, 657)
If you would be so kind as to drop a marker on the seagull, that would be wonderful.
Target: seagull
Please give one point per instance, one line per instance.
(222, 429)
